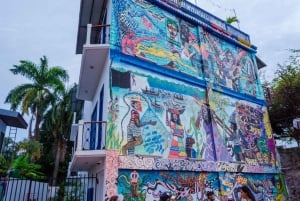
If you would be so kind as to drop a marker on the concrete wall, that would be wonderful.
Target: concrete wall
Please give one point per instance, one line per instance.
(290, 166)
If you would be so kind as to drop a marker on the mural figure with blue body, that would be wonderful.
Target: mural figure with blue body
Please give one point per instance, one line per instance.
(134, 137)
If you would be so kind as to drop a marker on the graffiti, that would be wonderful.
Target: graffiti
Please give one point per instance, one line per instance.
(230, 167)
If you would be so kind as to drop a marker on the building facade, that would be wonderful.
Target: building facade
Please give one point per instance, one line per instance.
(172, 103)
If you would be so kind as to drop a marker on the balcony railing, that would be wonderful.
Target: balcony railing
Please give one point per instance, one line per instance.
(90, 136)
(97, 34)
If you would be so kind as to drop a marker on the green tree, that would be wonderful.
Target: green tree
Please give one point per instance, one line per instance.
(36, 96)
(23, 168)
(7, 156)
(57, 123)
(4, 166)
(32, 148)
(285, 99)
(231, 20)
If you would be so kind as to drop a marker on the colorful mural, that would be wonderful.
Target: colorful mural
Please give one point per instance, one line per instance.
(265, 187)
(240, 131)
(154, 115)
(143, 30)
(184, 135)
(149, 185)
(187, 186)
(228, 65)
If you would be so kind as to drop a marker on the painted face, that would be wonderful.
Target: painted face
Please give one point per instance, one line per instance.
(138, 106)
(172, 30)
(229, 58)
(174, 117)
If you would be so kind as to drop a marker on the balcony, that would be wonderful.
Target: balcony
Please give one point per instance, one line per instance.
(89, 145)
(94, 56)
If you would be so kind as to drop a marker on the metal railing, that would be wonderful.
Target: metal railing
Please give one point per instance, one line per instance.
(97, 34)
(91, 135)
(72, 188)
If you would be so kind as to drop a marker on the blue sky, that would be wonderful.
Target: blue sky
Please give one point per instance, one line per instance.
(30, 29)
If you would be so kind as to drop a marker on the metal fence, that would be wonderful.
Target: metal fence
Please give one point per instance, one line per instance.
(72, 189)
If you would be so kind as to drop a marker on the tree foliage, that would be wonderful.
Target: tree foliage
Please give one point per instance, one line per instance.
(35, 97)
(55, 135)
(23, 168)
(285, 97)
(231, 20)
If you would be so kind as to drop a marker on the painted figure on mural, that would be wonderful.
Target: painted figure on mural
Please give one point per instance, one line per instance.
(172, 31)
(130, 43)
(113, 108)
(205, 111)
(229, 70)
(278, 190)
(134, 137)
(190, 50)
(134, 181)
(249, 73)
(215, 146)
(235, 139)
(177, 149)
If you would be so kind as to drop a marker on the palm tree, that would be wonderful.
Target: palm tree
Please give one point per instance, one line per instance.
(37, 95)
(231, 20)
(58, 122)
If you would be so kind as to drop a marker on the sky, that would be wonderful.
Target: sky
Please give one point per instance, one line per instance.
(33, 28)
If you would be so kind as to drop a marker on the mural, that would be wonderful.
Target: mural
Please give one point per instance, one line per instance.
(265, 187)
(240, 132)
(187, 186)
(165, 134)
(153, 115)
(149, 185)
(228, 65)
(145, 31)
(189, 164)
